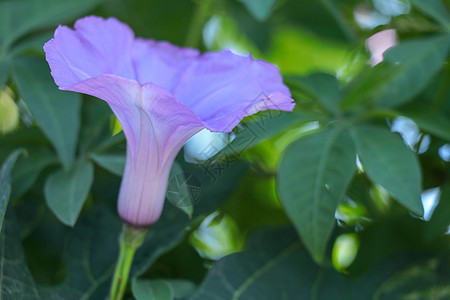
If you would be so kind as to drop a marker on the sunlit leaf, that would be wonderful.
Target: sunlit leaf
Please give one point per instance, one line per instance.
(297, 51)
(66, 191)
(390, 163)
(313, 175)
(57, 112)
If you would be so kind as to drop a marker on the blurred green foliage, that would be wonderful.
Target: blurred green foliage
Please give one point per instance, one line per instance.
(343, 191)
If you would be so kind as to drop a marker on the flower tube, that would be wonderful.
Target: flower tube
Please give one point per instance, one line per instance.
(162, 95)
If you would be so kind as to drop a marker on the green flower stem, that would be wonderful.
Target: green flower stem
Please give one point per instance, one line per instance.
(130, 239)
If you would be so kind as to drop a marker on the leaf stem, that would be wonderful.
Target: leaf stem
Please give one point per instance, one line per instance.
(331, 7)
(130, 240)
(194, 33)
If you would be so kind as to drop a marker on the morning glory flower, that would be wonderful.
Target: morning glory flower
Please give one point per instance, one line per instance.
(162, 95)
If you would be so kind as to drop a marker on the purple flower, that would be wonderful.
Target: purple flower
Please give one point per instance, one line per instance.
(162, 95)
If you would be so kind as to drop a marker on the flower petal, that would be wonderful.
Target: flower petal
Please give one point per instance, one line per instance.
(156, 126)
(165, 125)
(162, 95)
(96, 46)
(222, 88)
(161, 63)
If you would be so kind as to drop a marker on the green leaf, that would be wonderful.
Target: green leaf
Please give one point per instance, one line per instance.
(66, 191)
(169, 230)
(115, 163)
(181, 288)
(19, 17)
(313, 175)
(419, 61)
(90, 255)
(5, 182)
(92, 248)
(57, 112)
(152, 290)
(33, 44)
(181, 189)
(15, 278)
(162, 289)
(92, 245)
(261, 9)
(321, 87)
(274, 266)
(435, 9)
(390, 163)
(266, 125)
(430, 121)
(405, 71)
(27, 170)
